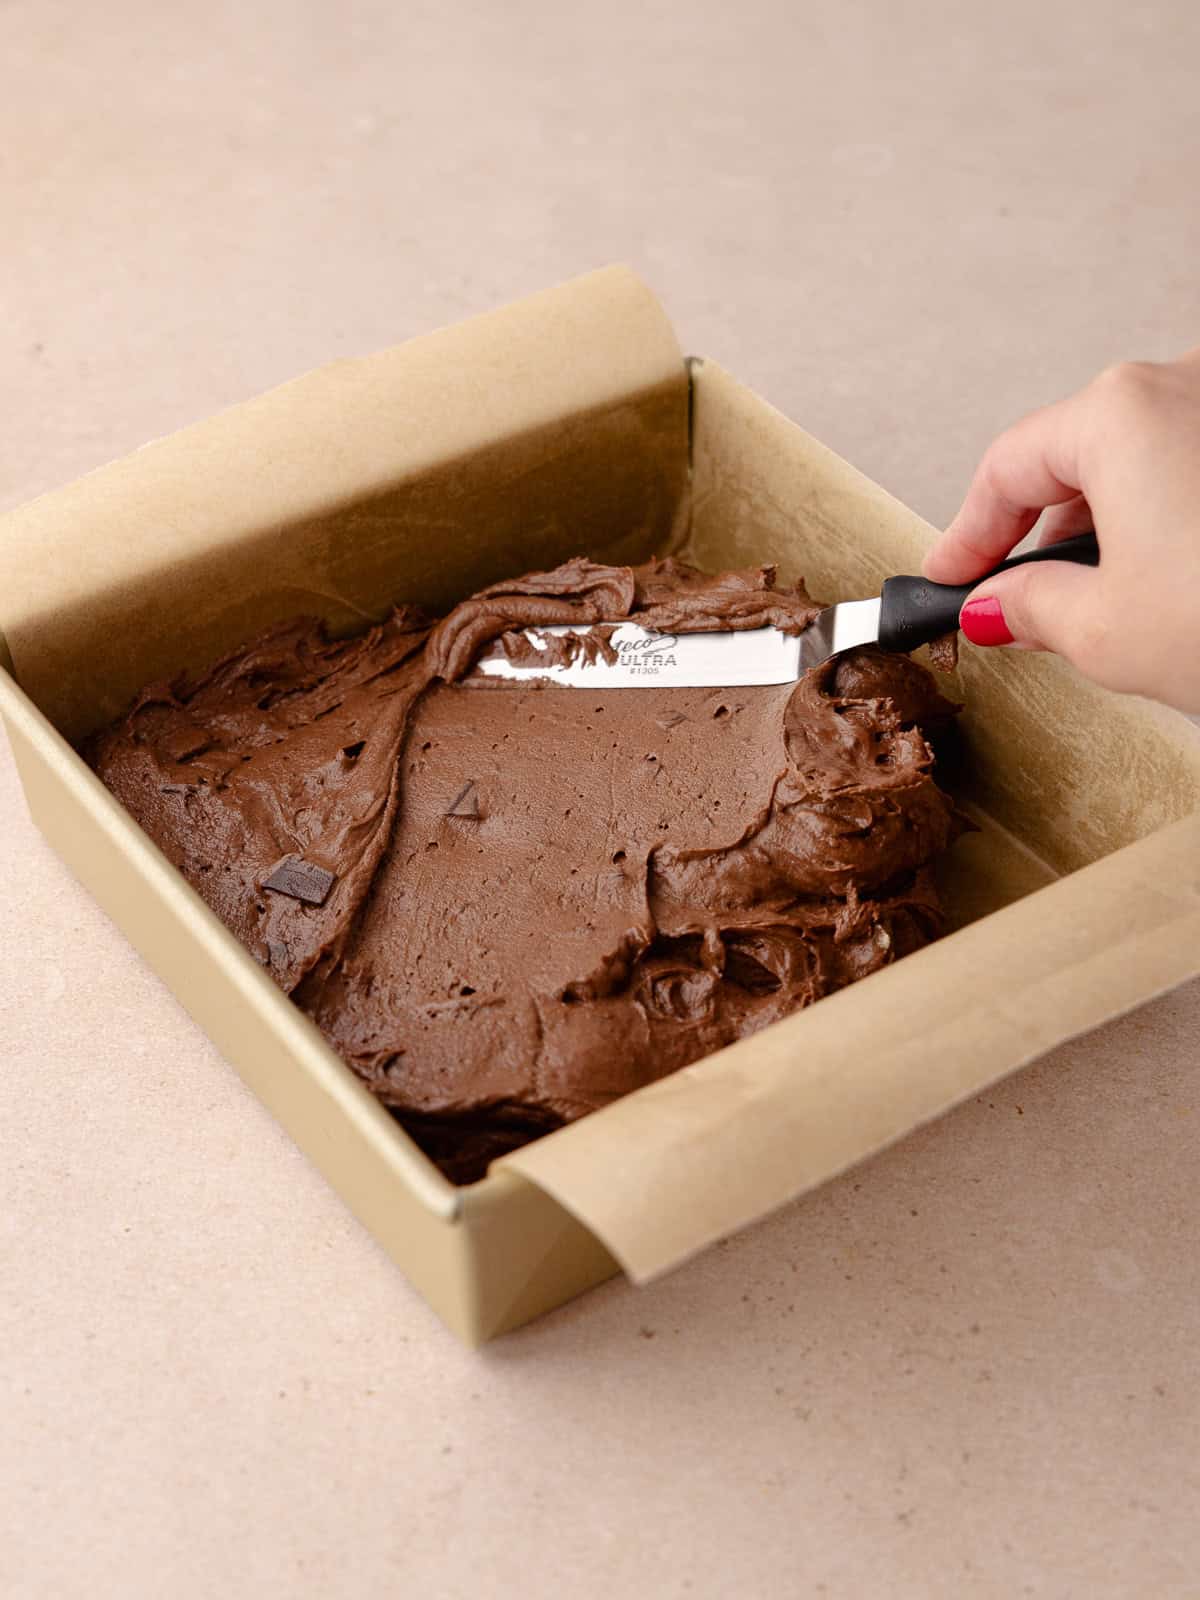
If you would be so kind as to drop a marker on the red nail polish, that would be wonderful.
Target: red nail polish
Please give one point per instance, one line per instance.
(983, 621)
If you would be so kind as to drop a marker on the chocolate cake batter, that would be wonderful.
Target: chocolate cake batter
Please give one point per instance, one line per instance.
(506, 904)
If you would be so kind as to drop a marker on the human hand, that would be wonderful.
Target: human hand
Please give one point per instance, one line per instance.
(1121, 456)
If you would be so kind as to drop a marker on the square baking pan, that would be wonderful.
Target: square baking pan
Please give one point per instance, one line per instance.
(570, 424)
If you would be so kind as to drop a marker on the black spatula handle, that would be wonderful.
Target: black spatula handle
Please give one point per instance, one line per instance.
(914, 611)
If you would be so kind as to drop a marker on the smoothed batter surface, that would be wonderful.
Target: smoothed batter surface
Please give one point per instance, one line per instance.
(505, 904)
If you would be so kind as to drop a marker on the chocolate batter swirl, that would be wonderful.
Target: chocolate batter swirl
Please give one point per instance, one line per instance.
(505, 904)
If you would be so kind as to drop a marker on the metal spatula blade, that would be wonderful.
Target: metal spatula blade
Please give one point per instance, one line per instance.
(909, 612)
(692, 660)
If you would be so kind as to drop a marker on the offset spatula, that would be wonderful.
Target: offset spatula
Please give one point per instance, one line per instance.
(909, 612)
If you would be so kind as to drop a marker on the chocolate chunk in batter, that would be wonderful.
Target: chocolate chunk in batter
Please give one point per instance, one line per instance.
(466, 803)
(303, 880)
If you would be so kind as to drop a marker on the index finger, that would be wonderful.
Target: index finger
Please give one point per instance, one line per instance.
(1033, 464)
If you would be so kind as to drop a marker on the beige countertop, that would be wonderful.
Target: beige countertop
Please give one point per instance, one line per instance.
(969, 1368)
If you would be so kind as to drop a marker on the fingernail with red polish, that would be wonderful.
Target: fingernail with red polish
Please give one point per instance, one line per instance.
(983, 621)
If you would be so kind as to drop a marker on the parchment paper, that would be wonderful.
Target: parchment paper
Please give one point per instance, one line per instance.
(550, 426)
(557, 426)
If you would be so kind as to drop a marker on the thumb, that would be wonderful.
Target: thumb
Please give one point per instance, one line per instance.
(1047, 605)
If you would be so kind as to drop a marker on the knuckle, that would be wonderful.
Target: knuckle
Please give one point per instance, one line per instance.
(1128, 383)
(1021, 600)
(993, 470)
(1125, 408)
(1090, 645)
